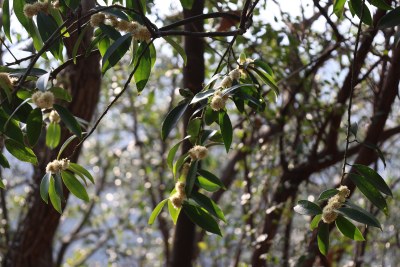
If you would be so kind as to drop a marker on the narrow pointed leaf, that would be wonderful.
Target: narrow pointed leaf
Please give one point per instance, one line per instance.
(202, 95)
(323, 238)
(391, 19)
(116, 51)
(79, 169)
(209, 181)
(66, 143)
(74, 186)
(145, 58)
(53, 135)
(306, 207)
(374, 178)
(348, 229)
(200, 217)
(315, 221)
(338, 7)
(328, 194)
(6, 19)
(44, 187)
(191, 177)
(226, 130)
(174, 213)
(172, 118)
(172, 152)
(54, 198)
(360, 215)
(34, 126)
(69, 120)
(156, 211)
(20, 151)
(209, 205)
(178, 48)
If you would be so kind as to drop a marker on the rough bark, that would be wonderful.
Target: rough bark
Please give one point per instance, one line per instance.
(32, 243)
(193, 77)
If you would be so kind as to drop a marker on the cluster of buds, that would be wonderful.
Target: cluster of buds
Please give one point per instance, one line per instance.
(198, 152)
(57, 165)
(43, 99)
(138, 31)
(329, 213)
(54, 117)
(31, 10)
(218, 101)
(5, 80)
(179, 196)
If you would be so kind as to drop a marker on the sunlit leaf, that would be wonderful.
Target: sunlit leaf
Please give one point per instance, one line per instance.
(202, 218)
(74, 186)
(69, 120)
(174, 213)
(209, 205)
(374, 178)
(306, 207)
(156, 211)
(54, 198)
(74, 167)
(348, 229)
(53, 135)
(144, 58)
(315, 221)
(20, 151)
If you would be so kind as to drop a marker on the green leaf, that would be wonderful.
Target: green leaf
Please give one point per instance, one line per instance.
(47, 26)
(7, 90)
(264, 66)
(69, 120)
(178, 164)
(323, 238)
(172, 152)
(328, 194)
(357, 6)
(374, 178)
(187, 4)
(66, 143)
(209, 205)
(202, 218)
(178, 48)
(13, 131)
(338, 7)
(53, 135)
(3, 161)
(58, 185)
(6, 19)
(306, 207)
(78, 42)
(172, 119)
(44, 187)
(360, 215)
(54, 198)
(34, 126)
(2, 185)
(315, 221)
(226, 129)
(191, 177)
(146, 54)
(74, 186)
(156, 211)
(61, 93)
(267, 79)
(116, 51)
(174, 213)
(391, 19)
(348, 229)
(381, 4)
(370, 192)
(209, 181)
(202, 95)
(20, 151)
(210, 116)
(80, 170)
(193, 129)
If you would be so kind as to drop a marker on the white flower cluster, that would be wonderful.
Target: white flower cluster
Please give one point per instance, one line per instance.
(57, 165)
(138, 31)
(43, 99)
(198, 152)
(218, 101)
(54, 116)
(179, 196)
(329, 213)
(31, 10)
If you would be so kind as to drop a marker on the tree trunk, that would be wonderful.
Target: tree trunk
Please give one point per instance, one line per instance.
(193, 78)
(32, 243)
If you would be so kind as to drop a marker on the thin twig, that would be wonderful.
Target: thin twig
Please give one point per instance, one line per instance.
(352, 85)
(8, 49)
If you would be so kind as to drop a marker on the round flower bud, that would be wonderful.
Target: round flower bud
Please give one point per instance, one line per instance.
(217, 103)
(198, 152)
(133, 27)
(31, 10)
(328, 215)
(64, 163)
(176, 201)
(123, 25)
(142, 34)
(235, 74)
(53, 167)
(43, 6)
(54, 116)
(344, 191)
(180, 188)
(5, 79)
(226, 82)
(47, 100)
(97, 19)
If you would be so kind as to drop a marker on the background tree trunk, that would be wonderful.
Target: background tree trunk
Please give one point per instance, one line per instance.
(193, 78)
(31, 245)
